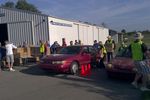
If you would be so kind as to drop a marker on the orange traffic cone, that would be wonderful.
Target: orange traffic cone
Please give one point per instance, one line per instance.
(89, 69)
(82, 70)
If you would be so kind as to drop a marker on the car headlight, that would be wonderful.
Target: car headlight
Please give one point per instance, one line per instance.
(58, 62)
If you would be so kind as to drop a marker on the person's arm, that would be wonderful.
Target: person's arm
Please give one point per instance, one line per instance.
(14, 46)
(144, 47)
(114, 44)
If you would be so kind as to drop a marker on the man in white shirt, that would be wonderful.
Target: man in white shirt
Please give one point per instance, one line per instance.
(9, 55)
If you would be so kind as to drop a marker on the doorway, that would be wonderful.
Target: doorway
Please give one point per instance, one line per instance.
(3, 33)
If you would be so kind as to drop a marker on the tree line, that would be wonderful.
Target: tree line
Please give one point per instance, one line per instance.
(21, 4)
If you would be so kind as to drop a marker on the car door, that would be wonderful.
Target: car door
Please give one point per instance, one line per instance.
(85, 57)
(92, 51)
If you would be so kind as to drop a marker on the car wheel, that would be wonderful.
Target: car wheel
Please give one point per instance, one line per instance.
(74, 68)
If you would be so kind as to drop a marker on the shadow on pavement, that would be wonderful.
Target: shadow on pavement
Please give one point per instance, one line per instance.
(97, 82)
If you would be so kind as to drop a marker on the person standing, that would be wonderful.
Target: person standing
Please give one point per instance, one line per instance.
(95, 45)
(138, 51)
(42, 48)
(64, 42)
(122, 47)
(9, 55)
(71, 43)
(76, 42)
(47, 48)
(110, 48)
(55, 46)
(102, 54)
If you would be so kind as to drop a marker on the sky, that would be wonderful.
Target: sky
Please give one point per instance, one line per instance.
(131, 15)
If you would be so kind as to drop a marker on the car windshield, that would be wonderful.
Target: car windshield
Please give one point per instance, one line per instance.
(124, 53)
(70, 50)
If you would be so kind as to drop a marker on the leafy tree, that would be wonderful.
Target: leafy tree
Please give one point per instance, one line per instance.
(22, 4)
(9, 4)
(104, 24)
(123, 31)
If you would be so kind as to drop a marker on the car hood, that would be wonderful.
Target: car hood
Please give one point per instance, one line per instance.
(58, 57)
(123, 63)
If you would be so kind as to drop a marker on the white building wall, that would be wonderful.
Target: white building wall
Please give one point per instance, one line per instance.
(90, 35)
(104, 34)
(95, 32)
(59, 29)
(72, 31)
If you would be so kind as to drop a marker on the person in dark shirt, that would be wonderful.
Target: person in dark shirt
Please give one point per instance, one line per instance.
(2, 56)
(54, 47)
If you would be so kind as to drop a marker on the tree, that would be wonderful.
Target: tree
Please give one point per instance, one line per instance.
(104, 24)
(9, 4)
(22, 4)
(123, 31)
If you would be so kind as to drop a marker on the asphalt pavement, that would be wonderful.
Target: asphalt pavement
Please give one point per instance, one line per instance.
(32, 83)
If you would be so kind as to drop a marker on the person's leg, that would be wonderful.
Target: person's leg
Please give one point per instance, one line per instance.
(137, 77)
(12, 62)
(138, 74)
(111, 55)
(108, 56)
(102, 63)
(144, 83)
(8, 61)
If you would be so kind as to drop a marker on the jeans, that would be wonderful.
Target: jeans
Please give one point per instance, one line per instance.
(109, 56)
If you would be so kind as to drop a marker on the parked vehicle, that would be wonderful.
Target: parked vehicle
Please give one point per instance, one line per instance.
(69, 59)
(122, 66)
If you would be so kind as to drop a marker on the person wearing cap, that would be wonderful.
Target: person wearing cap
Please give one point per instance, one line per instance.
(138, 51)
(110, 48)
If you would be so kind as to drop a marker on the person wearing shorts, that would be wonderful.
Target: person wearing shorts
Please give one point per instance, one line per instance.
(9, 55)
(138, 50)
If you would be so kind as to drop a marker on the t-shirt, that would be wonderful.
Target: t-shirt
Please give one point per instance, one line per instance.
(9, 49)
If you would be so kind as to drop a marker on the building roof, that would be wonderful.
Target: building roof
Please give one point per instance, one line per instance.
(41, 14)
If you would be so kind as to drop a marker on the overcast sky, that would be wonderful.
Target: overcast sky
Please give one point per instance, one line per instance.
(117, 14)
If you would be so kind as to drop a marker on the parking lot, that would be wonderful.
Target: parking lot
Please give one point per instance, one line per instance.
(32, 83)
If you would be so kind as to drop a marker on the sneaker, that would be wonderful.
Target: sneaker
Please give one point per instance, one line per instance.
(12, 70)
(135, 84)
(144, 89)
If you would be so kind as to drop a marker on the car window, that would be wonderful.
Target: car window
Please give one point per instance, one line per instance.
(85, 49)
(92, 50)
(70, 50)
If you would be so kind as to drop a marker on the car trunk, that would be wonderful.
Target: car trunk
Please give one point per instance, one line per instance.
(123, 63)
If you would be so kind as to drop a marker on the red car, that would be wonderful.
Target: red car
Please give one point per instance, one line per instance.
(122, 66)
(69, 59)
